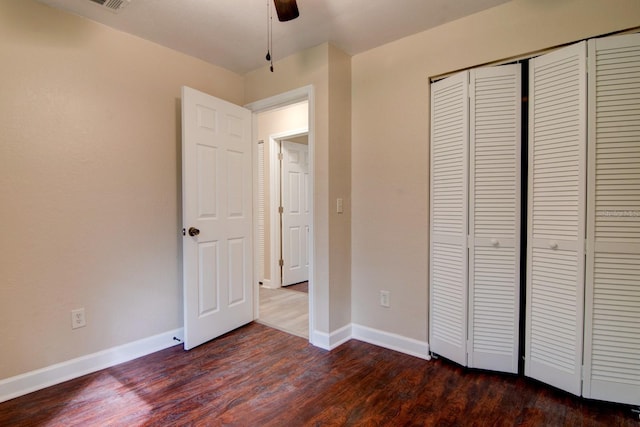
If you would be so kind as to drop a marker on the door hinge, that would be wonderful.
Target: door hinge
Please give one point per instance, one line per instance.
(280, 156)
(280, 210)
(281, 262)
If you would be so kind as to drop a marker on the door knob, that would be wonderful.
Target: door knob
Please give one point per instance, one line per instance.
(193, 231)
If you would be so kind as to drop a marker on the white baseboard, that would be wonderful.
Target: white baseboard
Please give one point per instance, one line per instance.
(55, 374)
(332, 340)
(320, 339)
(391, 341)
(266, 283)
(377, 337)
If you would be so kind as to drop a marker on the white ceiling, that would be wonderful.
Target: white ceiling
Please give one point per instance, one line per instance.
(233, 33)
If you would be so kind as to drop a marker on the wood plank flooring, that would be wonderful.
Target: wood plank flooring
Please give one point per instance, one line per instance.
(300, 287)
(286, 310)
(259, 376)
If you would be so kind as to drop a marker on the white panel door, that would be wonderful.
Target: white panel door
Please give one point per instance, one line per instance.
(295, 216)
(494, 217)
(556, 228)
(217, 215)
(448, 197)
(612, 306)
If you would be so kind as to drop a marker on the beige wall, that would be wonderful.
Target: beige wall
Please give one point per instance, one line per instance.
(90, 173)
(390, 148)
(339, 187)
(273, 122)
(89, 183)
(327, 69)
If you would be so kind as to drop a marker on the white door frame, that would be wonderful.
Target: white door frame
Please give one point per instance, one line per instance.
(275, 177)
(305, 93)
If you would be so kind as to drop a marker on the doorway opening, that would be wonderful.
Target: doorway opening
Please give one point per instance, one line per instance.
(283, 186)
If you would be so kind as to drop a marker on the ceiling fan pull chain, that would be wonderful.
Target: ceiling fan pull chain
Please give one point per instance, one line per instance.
(268, 57)
(269, 35)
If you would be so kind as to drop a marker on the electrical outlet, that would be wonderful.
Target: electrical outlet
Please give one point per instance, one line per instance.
(77, 318)
(384, 299)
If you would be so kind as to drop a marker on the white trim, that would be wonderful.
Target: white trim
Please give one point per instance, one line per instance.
(266, 283)
(286, 98)
(55, 374)
(320, 339)
(332, 340)
(259, 215)
(22, 384)
(391, 341)
(376, 337)
(274, 203)
(256, 275)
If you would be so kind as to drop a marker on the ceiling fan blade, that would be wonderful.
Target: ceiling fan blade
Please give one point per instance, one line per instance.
(286, 10)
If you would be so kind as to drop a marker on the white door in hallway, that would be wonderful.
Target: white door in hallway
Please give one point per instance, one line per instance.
(217, 216)
(295, 216)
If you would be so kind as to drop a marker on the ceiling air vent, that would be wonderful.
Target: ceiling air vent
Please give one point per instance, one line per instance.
(112, 5)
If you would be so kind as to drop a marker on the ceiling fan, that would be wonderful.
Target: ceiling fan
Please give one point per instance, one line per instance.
(286, 10)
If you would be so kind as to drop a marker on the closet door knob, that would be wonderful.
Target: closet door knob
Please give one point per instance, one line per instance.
(553, 244)
(495, 242)
(193, 231)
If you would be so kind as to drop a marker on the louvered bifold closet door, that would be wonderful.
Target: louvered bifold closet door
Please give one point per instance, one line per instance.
(494, 217)
(448, 251)
(612, 318)
(556, 217)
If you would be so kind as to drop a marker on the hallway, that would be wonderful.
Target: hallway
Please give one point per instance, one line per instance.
(286, 310)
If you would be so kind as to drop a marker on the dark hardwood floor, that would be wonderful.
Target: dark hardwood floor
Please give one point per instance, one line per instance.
(258, 376)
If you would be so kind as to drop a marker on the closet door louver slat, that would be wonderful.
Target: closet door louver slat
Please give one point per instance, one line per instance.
(494, 218)
(556, 228)
(448, 268)
(612, 321)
